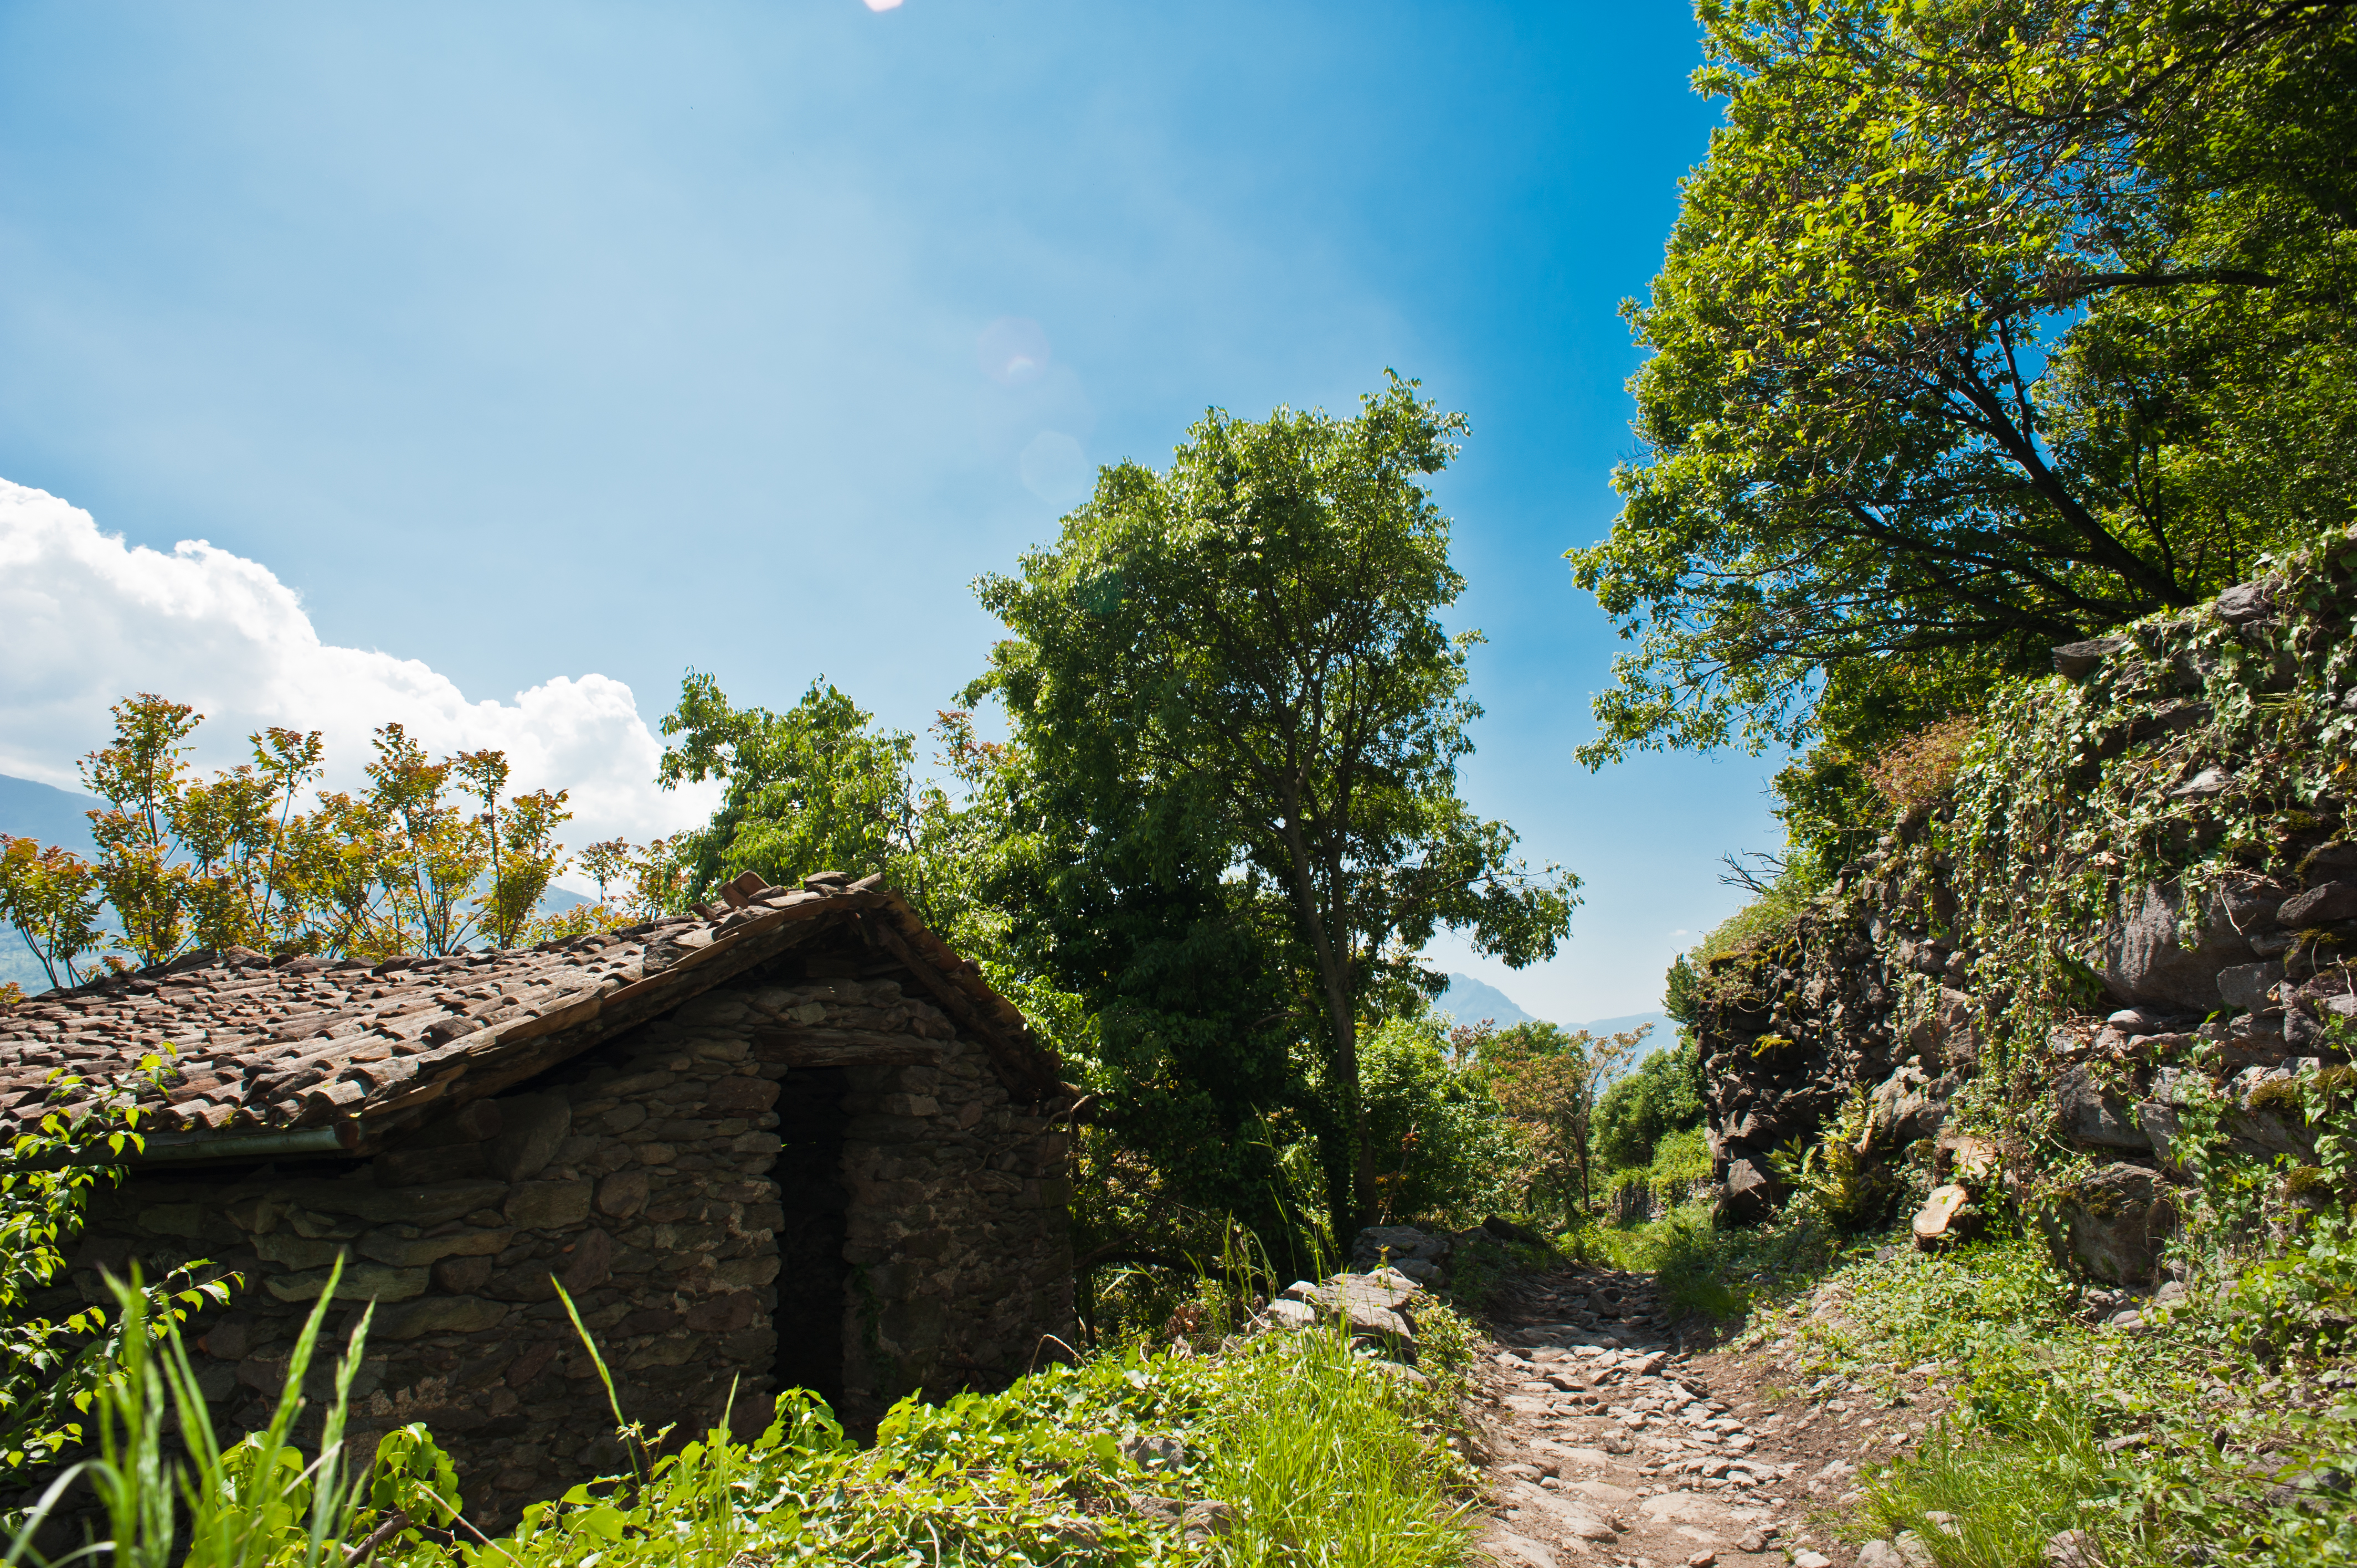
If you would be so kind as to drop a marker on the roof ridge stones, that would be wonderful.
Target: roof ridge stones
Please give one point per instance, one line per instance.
(250, 1045)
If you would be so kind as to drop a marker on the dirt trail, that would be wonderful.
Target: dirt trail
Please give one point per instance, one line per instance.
(1607, 1444)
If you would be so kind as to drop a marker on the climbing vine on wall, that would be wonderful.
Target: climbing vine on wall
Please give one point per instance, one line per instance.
(2216, 740)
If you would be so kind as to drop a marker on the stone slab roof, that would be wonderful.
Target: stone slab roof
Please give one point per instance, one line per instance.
(250, 1043)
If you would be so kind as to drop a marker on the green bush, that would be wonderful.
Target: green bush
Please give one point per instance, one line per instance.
(1680, 1157)
(1662, 1097)
(1440, 1146)
(50, 1369)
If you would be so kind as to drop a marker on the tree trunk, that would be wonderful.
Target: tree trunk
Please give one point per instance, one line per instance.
(1351, 1170)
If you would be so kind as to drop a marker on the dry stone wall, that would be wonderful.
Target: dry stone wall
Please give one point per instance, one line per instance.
(2144, 872)
(928, 1245)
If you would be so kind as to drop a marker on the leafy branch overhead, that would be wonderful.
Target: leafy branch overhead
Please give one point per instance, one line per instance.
(1983, 329)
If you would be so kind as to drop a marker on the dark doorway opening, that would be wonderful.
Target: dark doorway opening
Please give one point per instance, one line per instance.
(810, 1267)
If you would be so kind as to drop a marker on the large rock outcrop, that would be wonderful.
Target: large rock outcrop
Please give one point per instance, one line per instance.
(2141, 880)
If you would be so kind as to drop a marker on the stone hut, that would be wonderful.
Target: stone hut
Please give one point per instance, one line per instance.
(792, 1141)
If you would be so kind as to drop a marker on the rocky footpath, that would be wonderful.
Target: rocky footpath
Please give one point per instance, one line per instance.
(1631, 1449)
(1601, 1434)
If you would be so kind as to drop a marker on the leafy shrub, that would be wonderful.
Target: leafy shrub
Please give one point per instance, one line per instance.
(1681, 1157)
(1439, 1147)
(50, 1369)
(1663, 1096)
(1830, 1179)
(1917, 770)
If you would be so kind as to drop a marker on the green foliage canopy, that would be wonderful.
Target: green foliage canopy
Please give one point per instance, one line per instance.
(1251, 639)
(1985, 325)
(1663, 1096)
(817, 787)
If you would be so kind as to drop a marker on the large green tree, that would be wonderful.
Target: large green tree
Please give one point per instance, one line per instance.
(1250, 640)
(1985, 325)
(817, 787)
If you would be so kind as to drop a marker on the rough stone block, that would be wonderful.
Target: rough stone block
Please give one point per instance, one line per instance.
(296, 1251)
(462, 1276)
(361, 1282)
(548, 1205)
(389, 1245)
(623, 1194)
(532, 1128)
(438, 1315)
(2331, 901)
(428, 1204)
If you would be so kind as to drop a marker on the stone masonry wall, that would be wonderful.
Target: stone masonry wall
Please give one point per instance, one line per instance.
(642, 1175)
(2146, 872)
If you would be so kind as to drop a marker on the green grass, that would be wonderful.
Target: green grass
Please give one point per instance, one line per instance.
(1721, 1272)
(1320, 1456)
(1991, 1500)
(2200, 1431)
(1318, 1472)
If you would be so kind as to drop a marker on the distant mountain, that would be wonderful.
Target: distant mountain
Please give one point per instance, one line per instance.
(38, 812)
(1470, 1001)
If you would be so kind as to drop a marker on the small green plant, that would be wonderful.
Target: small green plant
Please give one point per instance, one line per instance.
(52, 1369)
(257, 1504)
(1831, 1178)
(1995, 1501)
(1321, 1467)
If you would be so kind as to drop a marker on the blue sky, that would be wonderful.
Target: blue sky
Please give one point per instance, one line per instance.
(535, 342)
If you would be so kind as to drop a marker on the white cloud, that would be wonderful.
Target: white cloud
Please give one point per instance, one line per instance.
(86, 620)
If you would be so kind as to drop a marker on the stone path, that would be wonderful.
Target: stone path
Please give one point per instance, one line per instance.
(1606, 1445)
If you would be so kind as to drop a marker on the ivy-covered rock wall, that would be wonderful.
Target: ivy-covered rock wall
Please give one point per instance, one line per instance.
(2142, 870)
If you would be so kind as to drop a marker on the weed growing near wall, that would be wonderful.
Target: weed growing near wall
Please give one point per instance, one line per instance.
(2166, 1443)
(1288, 1447)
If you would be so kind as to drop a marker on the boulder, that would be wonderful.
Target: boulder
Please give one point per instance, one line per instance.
(2249, 985)
(2202, 785)
(2319, 905)
(2077, 661)
(2156, 1116)
(1398, 1244)
(2112, 1224)
(1902, 1111)
(1751, 1192)
(2328, 861)
(1372, 1304)
(2146, 961)
(2093, 1116)
(2246, 602)
(2274, 1115)
(2251, 901)
(1507, 1231)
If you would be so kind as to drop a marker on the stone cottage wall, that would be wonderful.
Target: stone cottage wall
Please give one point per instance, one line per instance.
(643, 1175)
